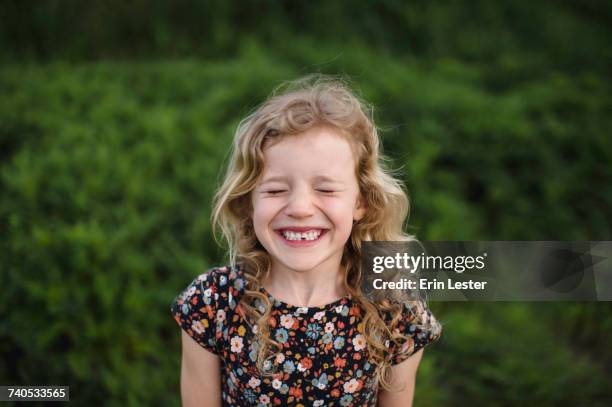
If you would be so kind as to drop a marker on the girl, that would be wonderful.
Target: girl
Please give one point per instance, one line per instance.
(286, 321)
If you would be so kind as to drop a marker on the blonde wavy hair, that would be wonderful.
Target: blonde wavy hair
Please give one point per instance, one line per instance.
(293, 108)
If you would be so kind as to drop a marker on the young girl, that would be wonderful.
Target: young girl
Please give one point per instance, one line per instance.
(286, 322)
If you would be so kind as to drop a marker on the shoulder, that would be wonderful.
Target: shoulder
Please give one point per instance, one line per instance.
(415, 328)
(217, 286)
(203, 309)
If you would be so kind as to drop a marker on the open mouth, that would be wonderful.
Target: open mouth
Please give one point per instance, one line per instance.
(295, 236)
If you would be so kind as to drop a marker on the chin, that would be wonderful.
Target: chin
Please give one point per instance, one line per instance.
(300, 265)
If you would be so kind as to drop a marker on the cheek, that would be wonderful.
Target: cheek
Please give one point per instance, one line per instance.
(263, 213)
(341, 213)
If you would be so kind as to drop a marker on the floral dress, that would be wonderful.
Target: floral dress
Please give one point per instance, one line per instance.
(324, 360)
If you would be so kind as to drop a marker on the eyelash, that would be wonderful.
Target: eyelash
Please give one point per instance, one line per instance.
(280, 191)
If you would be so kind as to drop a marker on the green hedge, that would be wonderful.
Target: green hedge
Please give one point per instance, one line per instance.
(108, 169)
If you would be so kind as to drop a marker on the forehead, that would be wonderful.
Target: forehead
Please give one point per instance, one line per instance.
(317, 151)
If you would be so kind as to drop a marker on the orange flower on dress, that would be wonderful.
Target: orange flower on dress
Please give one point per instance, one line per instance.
(306, 363)
(339, 362)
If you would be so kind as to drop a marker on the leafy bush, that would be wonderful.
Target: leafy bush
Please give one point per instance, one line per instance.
(108, 169)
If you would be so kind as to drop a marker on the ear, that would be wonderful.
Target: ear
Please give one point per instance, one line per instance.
(360, 209)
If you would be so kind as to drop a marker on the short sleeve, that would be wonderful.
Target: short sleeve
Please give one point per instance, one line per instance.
(419, 326)
(196, 310)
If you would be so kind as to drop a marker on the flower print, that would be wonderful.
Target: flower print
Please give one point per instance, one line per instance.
(264, 399)
(406, 346)
(296, 392)
(185, 308)
(346, 400)
(367, 366)
(311, 350)
(207, 292)
(306, 362)
(236, 344)
(351, 386)
(335, 393)
(339, 308)
(345, 311)
(329, 327)
(197, 326)
(267, 365)
(289, 366)
(238, 284)
(222, 280)
(220, 315)
(318, 403)
(322, 381)
(255, 328)
(339, 342)
(241, 330)
(286, 321)
(301, 310)
(339, 362)
(312, 331)
(190, 292)
(327, 338)
(254, 382)
(319, 315)
(250, 396)
(359, 342)
(276, 384)
(282, 335)
(284, 389)
(280, 358)
(253, 355)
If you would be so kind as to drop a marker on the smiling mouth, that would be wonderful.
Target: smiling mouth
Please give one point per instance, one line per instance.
(307, 235)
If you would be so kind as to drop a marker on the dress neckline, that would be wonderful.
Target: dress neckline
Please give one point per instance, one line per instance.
(306, 310)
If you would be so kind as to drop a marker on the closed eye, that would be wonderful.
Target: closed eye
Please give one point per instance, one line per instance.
(326, 191)
(275, 192)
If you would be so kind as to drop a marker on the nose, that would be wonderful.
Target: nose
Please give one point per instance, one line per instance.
(300, 203)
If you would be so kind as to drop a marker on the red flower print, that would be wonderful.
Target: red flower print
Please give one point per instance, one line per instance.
(339, 362)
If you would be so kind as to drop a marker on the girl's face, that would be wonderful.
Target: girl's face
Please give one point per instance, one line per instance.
(306, 200)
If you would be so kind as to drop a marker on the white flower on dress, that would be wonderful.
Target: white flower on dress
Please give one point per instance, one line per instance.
(197, 326)
(329, 327)
(254, 382)
(351, 386)
(318, 403)
(264, 399)
(286, 321)
(276, 384)
(280, 358)
(221, 315)
(207, 292)
(236, 344)
(359, 342)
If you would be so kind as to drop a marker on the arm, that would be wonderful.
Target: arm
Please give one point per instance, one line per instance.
(403, 378)
(200, 375)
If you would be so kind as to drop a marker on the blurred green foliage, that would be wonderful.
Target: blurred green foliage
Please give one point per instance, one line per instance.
(497, 115)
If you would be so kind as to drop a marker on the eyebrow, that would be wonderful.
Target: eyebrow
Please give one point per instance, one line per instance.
(318, 178)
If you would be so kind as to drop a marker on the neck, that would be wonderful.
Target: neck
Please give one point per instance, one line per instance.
(310, 288)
